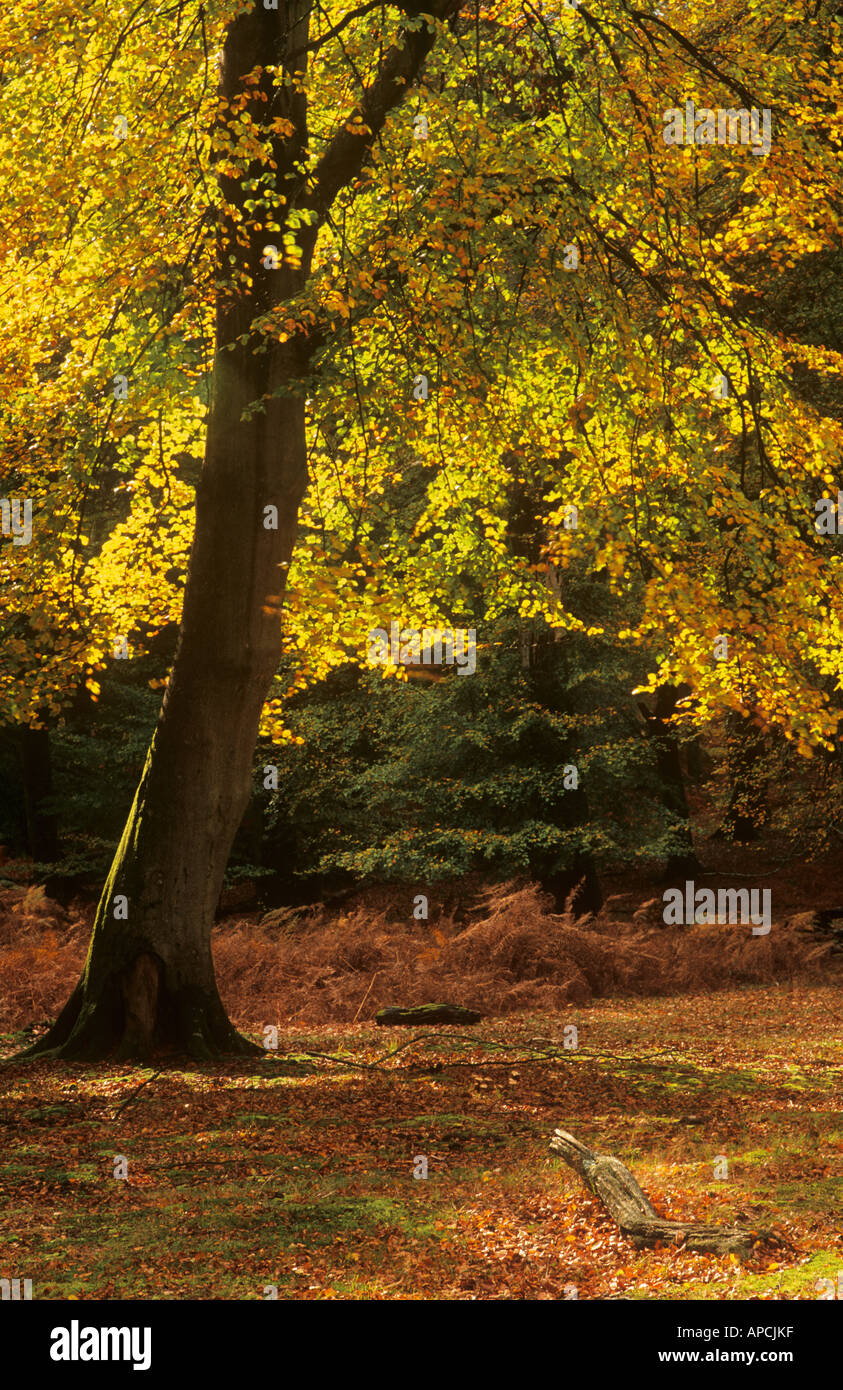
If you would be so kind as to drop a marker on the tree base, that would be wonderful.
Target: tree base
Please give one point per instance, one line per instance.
(739, 830)
(576, 890)
(682, 866)
(136, 1018)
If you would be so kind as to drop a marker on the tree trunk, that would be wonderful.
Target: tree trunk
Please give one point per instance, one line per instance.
(577, 885)
(149, 977)
(747, 809)
(37, 772)
(576, 889)
(148, 982)
(683, 861)
(617, 1189)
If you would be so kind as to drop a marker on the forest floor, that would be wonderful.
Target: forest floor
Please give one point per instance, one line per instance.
(297, 1172)
(707, 1060)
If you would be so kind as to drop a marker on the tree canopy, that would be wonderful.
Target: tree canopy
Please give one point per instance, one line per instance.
(594, 312)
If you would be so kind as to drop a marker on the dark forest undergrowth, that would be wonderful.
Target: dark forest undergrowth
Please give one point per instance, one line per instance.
(500, 950)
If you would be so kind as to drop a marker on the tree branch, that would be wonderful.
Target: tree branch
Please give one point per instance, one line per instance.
(347, 151)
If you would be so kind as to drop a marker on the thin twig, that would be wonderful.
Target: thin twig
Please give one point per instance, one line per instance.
(145, 1082)
(366, 995)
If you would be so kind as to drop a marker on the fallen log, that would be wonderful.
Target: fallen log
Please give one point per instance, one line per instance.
(426, 1013)
(607, 1178)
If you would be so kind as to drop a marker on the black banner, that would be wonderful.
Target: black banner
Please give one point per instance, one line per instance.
(88, 1341)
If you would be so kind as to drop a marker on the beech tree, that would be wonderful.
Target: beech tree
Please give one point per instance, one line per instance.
(571, 287)
(149, 976)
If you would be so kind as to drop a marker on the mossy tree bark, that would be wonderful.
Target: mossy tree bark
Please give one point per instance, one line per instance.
(148, 983)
